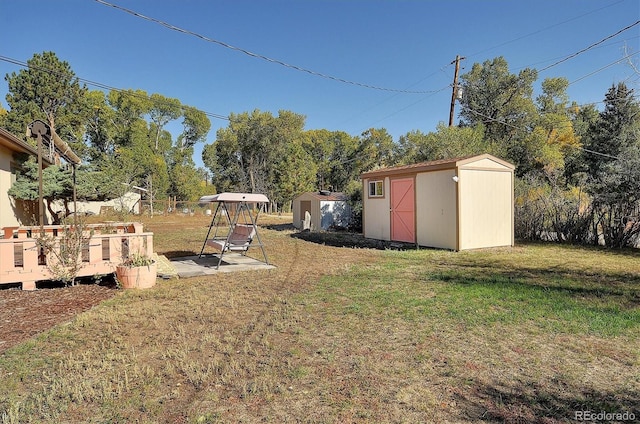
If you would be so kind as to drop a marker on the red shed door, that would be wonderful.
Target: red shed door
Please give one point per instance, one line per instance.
(403, 222)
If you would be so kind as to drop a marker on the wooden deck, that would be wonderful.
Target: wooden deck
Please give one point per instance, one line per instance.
(21, 260)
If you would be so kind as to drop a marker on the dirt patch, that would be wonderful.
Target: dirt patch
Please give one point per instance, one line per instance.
(23, 314)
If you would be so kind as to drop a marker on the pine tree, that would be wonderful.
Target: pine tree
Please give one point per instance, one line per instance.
(614, 169)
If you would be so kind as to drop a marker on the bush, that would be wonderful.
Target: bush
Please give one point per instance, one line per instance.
(549, 212)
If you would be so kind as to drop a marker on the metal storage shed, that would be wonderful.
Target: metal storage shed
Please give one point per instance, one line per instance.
(461, 203)
(326, 208)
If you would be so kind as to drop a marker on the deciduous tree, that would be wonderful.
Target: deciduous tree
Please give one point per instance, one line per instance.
(196, 127)
(163, 110)
(502, 103)
(445, 143)
(247, 152)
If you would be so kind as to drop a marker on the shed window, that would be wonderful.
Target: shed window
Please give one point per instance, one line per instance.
(376, 189)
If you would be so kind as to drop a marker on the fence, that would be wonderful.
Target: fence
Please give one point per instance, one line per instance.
(175, 207)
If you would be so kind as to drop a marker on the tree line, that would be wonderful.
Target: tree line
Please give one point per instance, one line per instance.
(577, 167)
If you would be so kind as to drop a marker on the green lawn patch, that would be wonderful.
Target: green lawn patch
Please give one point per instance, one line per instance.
(501, 286)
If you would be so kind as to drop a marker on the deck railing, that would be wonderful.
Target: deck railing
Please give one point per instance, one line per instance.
(105, 245)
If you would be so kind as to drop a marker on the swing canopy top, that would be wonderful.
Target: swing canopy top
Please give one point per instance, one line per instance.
(235, 198)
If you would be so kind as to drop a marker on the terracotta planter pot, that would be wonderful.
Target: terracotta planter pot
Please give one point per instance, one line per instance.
(137, 277)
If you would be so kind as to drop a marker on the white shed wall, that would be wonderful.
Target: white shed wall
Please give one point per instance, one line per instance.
(486, 208)
(129, 202)
(295, 207)
(486, 164)
(298, 217)
(436, 209)
(377, 220)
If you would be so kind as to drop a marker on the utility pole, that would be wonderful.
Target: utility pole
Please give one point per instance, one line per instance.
(455, 88)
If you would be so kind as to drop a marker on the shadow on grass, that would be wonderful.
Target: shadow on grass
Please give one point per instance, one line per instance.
(575, 303)
(626, 252)
(573, 282)
(106, 280)
(350, 240)
(555, 402)
(179, 253)
(279, 227)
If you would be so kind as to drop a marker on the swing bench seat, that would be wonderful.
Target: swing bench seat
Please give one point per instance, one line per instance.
(240, 235)
(238, 241)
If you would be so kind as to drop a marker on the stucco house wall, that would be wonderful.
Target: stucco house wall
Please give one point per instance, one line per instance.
(15, 212)
(129, 202)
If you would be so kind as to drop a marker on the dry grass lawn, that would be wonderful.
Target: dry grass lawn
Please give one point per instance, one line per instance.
(343, 334)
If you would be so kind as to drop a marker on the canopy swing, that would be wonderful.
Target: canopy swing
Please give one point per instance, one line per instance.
(241, 228)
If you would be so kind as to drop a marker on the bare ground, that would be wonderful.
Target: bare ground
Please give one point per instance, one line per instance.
(24, 314)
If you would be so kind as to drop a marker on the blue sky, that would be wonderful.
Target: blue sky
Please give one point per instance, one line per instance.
(405, 45)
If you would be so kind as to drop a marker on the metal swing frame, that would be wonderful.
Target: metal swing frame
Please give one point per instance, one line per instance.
(240, 233)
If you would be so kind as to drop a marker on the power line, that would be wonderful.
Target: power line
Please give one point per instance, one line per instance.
(541, 62)
(599, 154)
(101, 85)
(625, 58)
(396, 94)
(543, 29)
(252, 54)
(525, 130)
(105, 86)
(406, 107)
(571, 56)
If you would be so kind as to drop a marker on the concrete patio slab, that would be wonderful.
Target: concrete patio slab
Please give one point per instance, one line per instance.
(192, 266)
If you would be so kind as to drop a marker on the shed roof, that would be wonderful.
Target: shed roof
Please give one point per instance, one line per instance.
(434, 165)
(325, 196)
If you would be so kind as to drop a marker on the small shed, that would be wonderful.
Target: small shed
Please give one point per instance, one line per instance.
(458, 204)
(327, 209)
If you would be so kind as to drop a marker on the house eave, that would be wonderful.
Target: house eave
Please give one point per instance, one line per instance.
(14, 144)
